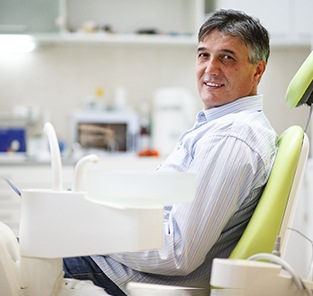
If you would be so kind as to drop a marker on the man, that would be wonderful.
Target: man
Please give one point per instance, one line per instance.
(231, 149)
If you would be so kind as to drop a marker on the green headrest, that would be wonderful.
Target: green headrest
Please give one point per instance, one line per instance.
(300, 88)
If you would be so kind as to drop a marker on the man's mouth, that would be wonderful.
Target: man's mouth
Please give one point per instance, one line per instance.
(212, 84)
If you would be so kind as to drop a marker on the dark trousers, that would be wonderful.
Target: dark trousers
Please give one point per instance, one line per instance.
(84, 268)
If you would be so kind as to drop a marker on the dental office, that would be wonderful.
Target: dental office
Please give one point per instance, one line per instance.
(94, 95)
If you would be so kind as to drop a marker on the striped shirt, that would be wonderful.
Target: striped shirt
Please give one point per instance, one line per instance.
(231, 149)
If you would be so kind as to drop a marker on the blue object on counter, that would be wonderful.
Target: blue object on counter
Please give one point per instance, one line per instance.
(12, 140)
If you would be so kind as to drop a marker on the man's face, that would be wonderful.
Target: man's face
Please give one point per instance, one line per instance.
(223, 70)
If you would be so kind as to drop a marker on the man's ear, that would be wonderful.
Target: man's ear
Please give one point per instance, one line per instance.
(259, 70)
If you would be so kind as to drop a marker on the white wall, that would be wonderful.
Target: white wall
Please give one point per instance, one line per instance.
(283, 65)
(59, 78)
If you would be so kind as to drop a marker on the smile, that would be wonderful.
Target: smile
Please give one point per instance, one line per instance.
(211, 84)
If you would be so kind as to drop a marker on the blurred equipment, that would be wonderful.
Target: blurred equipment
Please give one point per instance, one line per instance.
(12, 139)
(13, 135)
(173, 113)
(15, 130)
(112, 131)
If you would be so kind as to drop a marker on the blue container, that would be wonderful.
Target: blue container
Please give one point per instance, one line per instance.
(12, 140)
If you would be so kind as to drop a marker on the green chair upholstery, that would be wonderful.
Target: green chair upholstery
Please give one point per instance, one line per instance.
(300, 88)
(267, 220)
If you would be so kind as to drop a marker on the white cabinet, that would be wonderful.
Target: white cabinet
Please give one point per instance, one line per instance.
(164, 21)
(112, 21)
(302, 21)
(288, 21)
(264, 10)
(122, 16)
(136, 21)
(20, 16)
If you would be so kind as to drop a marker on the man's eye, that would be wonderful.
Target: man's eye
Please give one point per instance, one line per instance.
(202, 55)
(227, 57)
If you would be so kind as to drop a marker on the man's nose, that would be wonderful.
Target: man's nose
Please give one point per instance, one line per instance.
(212, 66)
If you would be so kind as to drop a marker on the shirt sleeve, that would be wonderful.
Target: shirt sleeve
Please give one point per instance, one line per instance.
(226, 170)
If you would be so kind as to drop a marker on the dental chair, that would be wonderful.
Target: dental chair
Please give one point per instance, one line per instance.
(266, 231)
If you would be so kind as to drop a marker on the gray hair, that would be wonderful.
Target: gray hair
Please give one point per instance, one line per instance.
(238, 24)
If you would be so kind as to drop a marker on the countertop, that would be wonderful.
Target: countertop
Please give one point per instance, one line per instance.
(127, 161)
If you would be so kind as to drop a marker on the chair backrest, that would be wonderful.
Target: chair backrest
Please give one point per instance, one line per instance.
(276, 207)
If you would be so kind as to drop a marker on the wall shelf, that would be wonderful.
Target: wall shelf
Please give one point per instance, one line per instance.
(104, 38)
(82, 39)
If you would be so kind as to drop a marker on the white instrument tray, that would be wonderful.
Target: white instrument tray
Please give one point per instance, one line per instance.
(120, 212)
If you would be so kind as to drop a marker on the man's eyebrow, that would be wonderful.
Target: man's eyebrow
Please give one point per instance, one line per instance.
(201, 48)
(228, 51)
(222, 50)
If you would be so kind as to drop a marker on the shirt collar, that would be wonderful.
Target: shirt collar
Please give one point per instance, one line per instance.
(253, 103)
